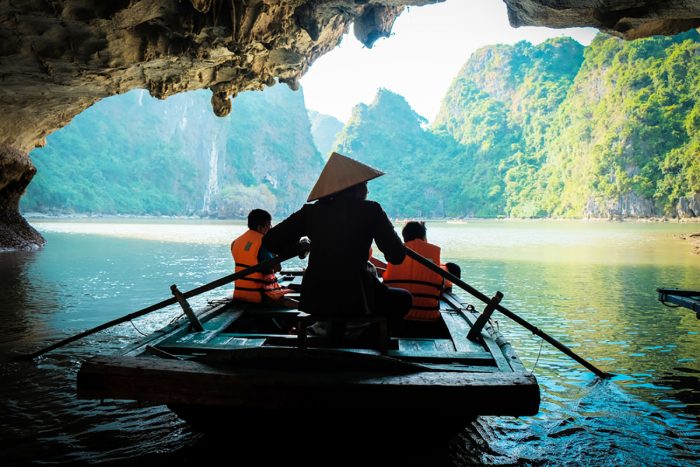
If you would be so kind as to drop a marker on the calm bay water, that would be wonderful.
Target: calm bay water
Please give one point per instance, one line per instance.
(591, 285)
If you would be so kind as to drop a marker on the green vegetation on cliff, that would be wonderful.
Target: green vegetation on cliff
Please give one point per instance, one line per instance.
(498, 106)
(549, 130)
(133, 154)
(555, 129)
(324, 129)
(626, 139)
(389, 135)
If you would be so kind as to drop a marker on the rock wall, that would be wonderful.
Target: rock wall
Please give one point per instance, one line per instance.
(689, 206)
(59, 57)
(16, 171)
(629, 205)
(628, 19)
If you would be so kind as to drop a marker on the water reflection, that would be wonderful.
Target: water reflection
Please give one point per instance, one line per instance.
(13, 291)
(606, 311)
(23, 296)
(683, 384)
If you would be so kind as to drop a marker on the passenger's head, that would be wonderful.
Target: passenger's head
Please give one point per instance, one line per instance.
(414, 230)
(453, 269)
(259, 220)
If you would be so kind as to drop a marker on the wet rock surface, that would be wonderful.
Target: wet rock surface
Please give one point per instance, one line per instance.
(17, 171)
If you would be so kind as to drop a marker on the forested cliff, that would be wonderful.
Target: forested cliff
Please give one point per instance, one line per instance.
(133, 154)
(557, 129)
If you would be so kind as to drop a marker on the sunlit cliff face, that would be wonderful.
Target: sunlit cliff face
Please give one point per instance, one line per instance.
(59, 57)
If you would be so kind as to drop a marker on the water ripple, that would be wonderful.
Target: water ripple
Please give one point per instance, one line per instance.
(607, 312)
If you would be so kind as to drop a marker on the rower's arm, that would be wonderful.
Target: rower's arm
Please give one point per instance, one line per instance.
(387, 239)
(283, 239)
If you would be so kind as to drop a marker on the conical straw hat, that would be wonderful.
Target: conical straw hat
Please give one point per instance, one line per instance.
(340, 173)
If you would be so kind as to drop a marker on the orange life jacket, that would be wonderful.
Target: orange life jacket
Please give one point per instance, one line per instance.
(254, 286)
(424, 284)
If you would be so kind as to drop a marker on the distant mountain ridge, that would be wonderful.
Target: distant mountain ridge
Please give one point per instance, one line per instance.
(325, 129)
(549, 130)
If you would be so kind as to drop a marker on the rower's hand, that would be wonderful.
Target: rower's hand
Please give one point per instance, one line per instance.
(304, 247)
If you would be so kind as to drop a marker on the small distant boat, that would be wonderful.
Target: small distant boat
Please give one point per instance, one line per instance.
(686, 298)
(252, 362)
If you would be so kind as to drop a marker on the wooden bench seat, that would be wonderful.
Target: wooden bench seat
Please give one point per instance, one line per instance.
(305, 320)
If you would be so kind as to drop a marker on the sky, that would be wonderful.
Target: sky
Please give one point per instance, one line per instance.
(426, 50)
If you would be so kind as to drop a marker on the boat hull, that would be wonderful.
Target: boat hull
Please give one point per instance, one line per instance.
(291, 390)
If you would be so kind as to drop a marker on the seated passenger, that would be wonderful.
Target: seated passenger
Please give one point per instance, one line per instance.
(453, 269)
(424, 284)
(247, 251)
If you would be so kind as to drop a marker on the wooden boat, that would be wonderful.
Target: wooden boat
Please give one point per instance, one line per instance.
(252, 362)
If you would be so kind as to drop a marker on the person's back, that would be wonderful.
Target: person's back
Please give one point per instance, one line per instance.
(424, 284)
(341, 231)
(341, 226)
(247, 251)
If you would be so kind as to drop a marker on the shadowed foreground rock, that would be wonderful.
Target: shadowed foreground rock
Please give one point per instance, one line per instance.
(628, 19)
(17, 171)
(59, 57)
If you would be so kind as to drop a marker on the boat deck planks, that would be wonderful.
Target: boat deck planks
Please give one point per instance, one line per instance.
(459, 329)
(426, 345)
(222, 321)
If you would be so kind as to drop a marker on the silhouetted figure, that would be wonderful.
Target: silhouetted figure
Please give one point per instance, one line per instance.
(341, 226)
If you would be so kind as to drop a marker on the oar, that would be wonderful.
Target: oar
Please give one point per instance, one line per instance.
(535, 330)
(199, 290)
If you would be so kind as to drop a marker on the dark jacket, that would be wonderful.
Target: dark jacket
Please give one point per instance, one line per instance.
(341, 231)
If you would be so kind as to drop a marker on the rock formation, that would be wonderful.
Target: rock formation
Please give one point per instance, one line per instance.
(16, 171)
(689, 206)
(58, 57)
(628, 19)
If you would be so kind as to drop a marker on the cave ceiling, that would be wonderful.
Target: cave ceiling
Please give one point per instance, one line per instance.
(58, 57)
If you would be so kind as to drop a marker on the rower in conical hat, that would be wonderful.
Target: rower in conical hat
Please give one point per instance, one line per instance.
(340, 173)
(339, 229)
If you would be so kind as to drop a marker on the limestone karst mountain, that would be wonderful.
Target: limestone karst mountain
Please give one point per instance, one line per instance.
(325, 129)
(555, 129)
(133, 154)
(549, 130)
(58, 58)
